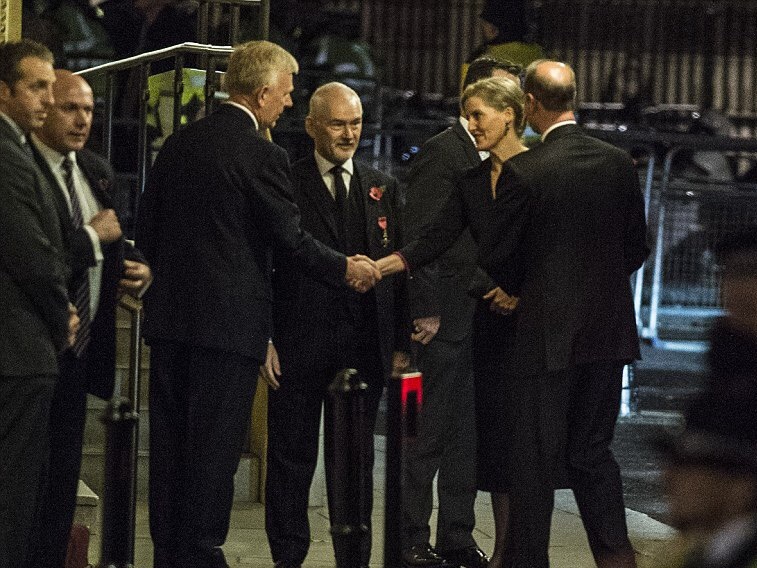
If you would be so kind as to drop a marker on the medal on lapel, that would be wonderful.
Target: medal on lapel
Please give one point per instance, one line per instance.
(382, 225)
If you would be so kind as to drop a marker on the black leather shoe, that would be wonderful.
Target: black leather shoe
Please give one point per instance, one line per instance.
(468, 557)
(286, 564)
(422, 555)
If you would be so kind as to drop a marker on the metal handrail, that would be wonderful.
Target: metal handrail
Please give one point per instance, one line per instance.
(159, 54)
(210, 53)
(136, 312)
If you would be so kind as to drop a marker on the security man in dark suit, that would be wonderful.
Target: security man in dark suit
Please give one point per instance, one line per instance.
(217, 203)
(570, 229)
(319, 330)
(101, 261)
(442, 309)
(35, 323)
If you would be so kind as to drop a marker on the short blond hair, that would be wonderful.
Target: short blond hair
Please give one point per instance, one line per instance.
(255, 64)
(499, 93)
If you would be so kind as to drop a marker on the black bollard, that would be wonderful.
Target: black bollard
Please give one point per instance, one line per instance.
(404, 398)
(347, 530)
(118, 499)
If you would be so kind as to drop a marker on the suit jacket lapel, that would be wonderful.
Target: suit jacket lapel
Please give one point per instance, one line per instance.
(95, 184)
(60, 202)
(6, 131)
(373, 209)
(314, 189)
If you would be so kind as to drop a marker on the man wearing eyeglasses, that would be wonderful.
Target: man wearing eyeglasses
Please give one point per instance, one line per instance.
(319, 330)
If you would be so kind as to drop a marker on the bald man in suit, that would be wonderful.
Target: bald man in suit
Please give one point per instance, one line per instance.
(319, 330)
(103, 262)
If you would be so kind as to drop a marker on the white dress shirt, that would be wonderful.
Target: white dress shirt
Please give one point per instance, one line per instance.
(89, 208)
(324, 167)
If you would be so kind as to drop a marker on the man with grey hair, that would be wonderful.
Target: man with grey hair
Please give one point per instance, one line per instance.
(319, 330)
(218, 202)
(566, 235)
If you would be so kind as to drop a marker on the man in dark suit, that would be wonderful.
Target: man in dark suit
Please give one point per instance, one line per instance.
(320, 330)
(574, 213)
(35, 322)
(442, 310)
(217, 202)
(100, 259)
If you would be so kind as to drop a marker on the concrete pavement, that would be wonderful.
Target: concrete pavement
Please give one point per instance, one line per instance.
(247, 545)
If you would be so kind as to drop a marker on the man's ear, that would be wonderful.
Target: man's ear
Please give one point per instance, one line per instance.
(309, 125)
(261, 95)
(5, 91)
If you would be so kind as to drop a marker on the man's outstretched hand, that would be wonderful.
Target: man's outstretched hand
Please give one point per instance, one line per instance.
(362, 273)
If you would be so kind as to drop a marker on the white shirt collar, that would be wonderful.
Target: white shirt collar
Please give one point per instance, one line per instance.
(324, 165)
(483, 154)
(245, 109)
(464, 123)
(53, 157)
(556, 125)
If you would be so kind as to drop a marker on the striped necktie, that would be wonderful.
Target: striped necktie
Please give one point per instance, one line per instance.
(80, 283)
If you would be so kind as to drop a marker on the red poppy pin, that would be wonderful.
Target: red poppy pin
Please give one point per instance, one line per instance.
(376, 192)
(382, 225)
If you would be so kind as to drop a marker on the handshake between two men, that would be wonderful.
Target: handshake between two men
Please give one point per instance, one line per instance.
(362, 273)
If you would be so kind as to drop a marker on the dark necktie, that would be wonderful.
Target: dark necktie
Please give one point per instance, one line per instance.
(81, 282)
(340, 197)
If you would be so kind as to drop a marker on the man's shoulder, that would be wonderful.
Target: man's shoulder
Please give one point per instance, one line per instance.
(446, 155)
(93, 160)
(449, 139)
(377, 177)
(225, 131)
(527, 160)
(304, 164)
(11, 153)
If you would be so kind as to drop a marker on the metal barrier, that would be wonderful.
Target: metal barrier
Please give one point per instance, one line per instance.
(677, 292)
(693, 215)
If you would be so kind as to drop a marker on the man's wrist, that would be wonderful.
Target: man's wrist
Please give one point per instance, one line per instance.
(403, 260)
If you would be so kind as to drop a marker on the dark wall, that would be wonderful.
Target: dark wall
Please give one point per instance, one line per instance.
(673, 51)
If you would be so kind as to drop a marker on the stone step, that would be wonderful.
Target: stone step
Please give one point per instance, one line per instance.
(87, 507)
(247, 479)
